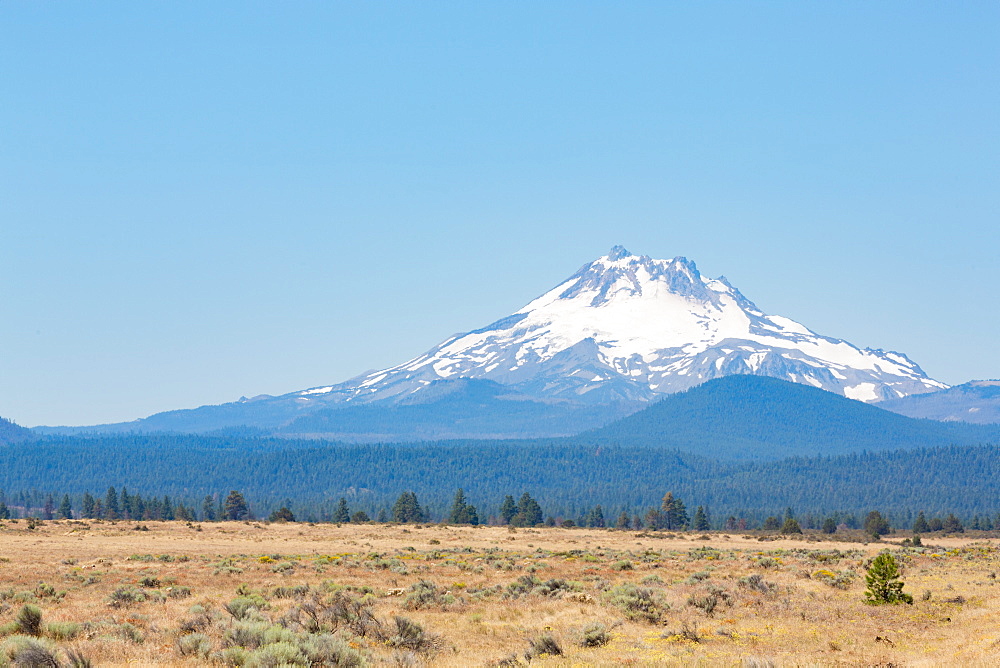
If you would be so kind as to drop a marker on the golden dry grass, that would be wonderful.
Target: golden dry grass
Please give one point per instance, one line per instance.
(796, 617)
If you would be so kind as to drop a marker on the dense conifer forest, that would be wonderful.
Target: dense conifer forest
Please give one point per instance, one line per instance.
(567, 479)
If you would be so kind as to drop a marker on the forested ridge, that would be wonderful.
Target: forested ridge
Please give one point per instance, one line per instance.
(567, 478)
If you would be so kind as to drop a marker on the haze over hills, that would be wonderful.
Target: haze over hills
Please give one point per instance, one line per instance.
(622, 331)
(977, 401)
(11, 432)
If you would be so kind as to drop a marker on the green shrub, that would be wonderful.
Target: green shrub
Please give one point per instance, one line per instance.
(622, 565)
(638, 603)
(706, 604)
(29, 620)
(276, 655)
(756, 583)
(29, 652)
(544, 645)
(244, 606)
(62, 630)
(595, 635)
(327, 650)
(410, 635)
(125, 597)
(179, 592)
(195, 644)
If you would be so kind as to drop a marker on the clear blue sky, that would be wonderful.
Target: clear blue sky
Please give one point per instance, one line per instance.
(205, 200)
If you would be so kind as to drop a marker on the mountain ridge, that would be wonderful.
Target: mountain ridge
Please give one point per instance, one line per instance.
(623, 330)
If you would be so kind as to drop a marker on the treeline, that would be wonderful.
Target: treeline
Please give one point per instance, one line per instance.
(671, 514)
(567, 479)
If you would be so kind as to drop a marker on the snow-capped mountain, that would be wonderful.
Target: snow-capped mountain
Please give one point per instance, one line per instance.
(628, 327)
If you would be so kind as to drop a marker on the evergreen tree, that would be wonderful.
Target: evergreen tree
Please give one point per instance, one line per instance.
(508, 509)
(593, 518)
(829, 525)
(772, 523)
(235, 507)
(208, 513)
(360, 517)
(87, 506)
(49, 509)
(111, 510)
(461, 512)
(884, 584)
(952, 524)
(65, 508)
(283, 514)
(529, 513)
(875, 524)
(701, 522)
(675, 516)
(654, 519)
(342, 514)
(791, 526)
(623, 521)
(407, 509)
(920, 524)
(168, 509)
(182, 513)
(125, 503)
(4, 511)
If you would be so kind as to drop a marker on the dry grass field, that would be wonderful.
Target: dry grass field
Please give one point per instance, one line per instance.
(262, 594)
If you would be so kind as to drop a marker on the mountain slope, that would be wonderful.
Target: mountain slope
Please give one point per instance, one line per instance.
(628, 327)
(622, 330)
(977, 401)
(11, 432)
(754, 417)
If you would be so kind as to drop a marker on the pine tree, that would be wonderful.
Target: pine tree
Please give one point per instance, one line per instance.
(791, 526)
(701, 520)
(461, 512)
(208, 509)
(168, 509)
(382, 516)
(342, 514)
(88, 505)
(884, 584)
(111, 511)
(49, 509)
(875, 524)
(529, 513)
(4, 511)
(125, 503)
(920, 524)
(829, 526)
(623, 521)
(507, 509)
(952, 524)
(283, 514)
(235, 507)
(407, 509)
(65, 508)
(360, 517)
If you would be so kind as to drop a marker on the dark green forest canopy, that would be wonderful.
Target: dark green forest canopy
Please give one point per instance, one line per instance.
(565, 477)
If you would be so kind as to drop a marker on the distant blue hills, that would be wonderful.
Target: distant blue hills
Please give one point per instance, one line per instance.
(738, 417)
